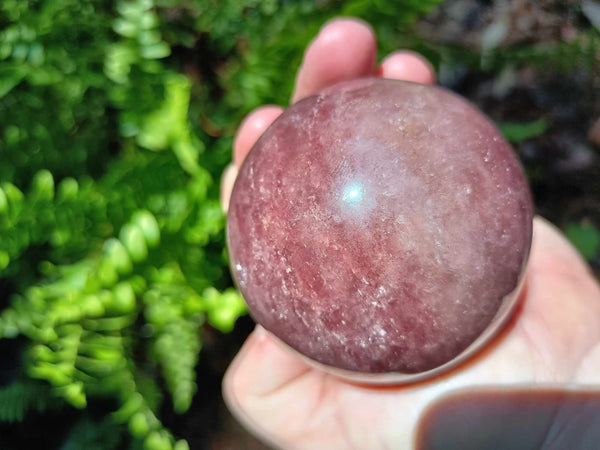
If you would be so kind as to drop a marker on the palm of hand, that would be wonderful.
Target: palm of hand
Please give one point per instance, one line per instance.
(553, 338)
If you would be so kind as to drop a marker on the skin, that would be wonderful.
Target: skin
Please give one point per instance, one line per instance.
(553, 338)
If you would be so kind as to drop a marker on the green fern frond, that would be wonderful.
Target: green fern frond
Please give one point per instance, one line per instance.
(223, 308)
(176, 347)
(23, 396)
(176, 336)
(92, 435)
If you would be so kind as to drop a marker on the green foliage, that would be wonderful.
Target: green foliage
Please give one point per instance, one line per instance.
(52, 95)
(23, 396)
(519, 132)
(585, 237)
(562, 57)
(92, 435)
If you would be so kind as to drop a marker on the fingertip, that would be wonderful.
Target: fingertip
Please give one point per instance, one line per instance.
(251, 128)
(550, 249)
(408, 66)
(344, 49)
(339, 28)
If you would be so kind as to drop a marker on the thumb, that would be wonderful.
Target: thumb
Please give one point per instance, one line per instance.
(263, 378)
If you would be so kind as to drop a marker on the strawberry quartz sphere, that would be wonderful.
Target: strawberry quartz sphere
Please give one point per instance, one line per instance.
(381, 229)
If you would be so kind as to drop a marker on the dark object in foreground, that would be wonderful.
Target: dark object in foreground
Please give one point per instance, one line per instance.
(381, 227)
(520, 419)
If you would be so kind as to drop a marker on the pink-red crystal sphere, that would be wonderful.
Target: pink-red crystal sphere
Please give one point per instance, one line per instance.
(380, 227)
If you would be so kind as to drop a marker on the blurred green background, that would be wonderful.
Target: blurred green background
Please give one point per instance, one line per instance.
(117, 312)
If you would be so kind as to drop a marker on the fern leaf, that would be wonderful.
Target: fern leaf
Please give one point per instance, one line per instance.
(176, 347)
(23, 396)
(90, 435)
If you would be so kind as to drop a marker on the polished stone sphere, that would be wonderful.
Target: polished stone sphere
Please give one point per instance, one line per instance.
(380, 227)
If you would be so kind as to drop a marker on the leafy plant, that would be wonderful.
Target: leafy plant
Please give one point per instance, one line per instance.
(518, 132)
(92, 435)
(23, 396)
(585, 237)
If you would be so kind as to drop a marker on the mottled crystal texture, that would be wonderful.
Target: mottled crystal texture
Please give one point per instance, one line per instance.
(380, 227)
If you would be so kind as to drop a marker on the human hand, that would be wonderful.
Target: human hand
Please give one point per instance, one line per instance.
(552, 338)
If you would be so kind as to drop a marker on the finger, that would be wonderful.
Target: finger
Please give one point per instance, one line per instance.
(227, 180)
(408, 66)
(562, 311)
(264, 375)
(243, 380)
(251, 128)
(344, 49)
(554, 252)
